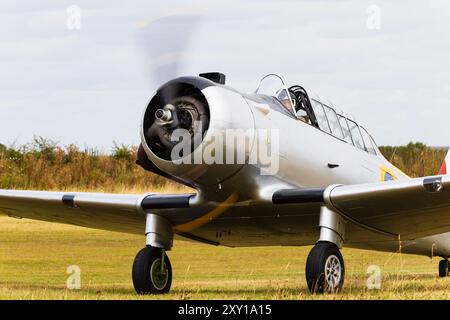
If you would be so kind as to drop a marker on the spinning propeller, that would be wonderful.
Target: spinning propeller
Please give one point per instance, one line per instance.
(165, 42)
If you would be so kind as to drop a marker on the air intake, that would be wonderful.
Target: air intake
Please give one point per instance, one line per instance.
(216, 77)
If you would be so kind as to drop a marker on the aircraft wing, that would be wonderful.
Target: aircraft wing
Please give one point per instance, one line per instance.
(407, 208)
(115, 212)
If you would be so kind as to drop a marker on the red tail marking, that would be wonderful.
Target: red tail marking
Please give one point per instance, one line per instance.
(443, 169)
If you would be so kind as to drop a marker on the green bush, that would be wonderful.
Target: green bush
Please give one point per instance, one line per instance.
(43, 165)
(415, 159)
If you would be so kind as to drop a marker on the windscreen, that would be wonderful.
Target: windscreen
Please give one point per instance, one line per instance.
(275, 86)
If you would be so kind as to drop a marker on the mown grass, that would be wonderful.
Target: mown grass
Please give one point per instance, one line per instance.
(34, 256)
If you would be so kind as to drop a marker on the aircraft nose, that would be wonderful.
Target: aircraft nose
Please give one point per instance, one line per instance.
(177, 109)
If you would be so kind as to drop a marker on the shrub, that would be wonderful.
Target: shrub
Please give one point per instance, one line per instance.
(43, 165)
(122, 151)
(415, 159)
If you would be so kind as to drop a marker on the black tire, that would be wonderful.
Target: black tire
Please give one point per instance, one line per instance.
(147, 278)
(443, 268)
(321, 254)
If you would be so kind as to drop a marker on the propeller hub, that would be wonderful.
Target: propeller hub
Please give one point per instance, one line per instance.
(163, 114)
(185, 113)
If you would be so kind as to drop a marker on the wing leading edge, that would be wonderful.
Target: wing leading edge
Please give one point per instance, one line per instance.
(408, 208)
(115, 212)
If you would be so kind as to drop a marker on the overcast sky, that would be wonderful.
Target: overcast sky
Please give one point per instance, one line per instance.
(384, 62)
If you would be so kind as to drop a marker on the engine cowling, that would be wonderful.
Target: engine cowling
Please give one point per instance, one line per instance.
(184, 121)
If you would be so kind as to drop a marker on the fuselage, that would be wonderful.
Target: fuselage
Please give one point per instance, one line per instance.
(307, 157)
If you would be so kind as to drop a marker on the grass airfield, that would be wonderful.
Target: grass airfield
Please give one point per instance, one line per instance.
(34, 257)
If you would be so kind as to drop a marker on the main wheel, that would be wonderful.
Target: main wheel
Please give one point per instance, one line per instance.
(443, 268)
(148, 276)
(325, 268)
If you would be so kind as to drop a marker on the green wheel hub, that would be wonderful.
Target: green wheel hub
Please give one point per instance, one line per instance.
(159, 276)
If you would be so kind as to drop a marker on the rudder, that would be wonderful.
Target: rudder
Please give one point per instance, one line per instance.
(445, 164)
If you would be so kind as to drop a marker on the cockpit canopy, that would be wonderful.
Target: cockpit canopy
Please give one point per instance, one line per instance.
(275, 86)
(295, 102)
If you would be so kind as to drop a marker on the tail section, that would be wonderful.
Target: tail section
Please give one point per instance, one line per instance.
(445, 164)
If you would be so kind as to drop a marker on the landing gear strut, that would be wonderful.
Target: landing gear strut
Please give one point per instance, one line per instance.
(443, 268)
(152, 272)
(325, 269)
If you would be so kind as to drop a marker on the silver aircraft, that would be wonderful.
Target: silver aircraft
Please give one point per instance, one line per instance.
(330, 187)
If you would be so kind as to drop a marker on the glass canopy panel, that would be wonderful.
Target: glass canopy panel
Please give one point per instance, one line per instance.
(275, 86)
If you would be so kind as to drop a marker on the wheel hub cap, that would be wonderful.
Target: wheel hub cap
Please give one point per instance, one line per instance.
(333, 272)
(159, 279)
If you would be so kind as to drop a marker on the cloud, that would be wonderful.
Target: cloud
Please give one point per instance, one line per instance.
(91, 85)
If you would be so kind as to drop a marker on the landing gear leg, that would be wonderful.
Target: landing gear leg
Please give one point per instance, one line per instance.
(152, 271)
(443, 268)
(325, 269)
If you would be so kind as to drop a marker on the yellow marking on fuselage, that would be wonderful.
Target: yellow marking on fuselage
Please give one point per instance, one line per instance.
(383, 170)
(213, 214)
(393, 171)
